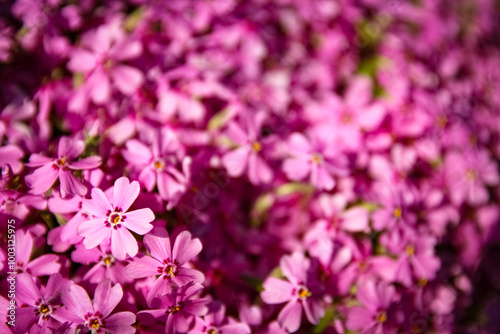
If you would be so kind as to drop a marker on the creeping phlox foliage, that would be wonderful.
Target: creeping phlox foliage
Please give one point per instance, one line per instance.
(260, 166)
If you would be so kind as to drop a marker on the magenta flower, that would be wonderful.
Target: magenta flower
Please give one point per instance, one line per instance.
(42, 306)
(101, 60)
(170, 263)
(105, 265)
(110, 219)
(11, 155)
(248, 154)
(43, 265)
(315, 160)
(300, 291)
(373, 316)
(96, 317)
(417, 257)
(178, 309)
(158, 165)
(51, 169)
(216, 322)
(468, 175)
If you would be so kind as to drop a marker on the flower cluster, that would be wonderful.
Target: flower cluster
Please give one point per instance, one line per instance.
(261, 166)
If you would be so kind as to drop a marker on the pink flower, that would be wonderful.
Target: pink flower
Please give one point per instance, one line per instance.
(105, 265)
(111, 219)
(11, 155)
(43, 265)
(170, 263)
(39, 305)
(158, 165)
(101, 60)
(96, 317)
(51, 169)
(418, 254)
(217, 322)
(468, 175)
(373, 316)
(178, 309)
(247, 156)
(316, 160)
(300, 291)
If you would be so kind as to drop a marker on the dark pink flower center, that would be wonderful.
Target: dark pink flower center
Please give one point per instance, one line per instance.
(94, 321)
(108, 260)
(43, 310)
(169, 269)
(115, 218)
(175, 308)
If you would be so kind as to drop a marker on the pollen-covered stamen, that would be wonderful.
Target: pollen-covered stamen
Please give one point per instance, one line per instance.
(43, 310)
(317, 158)
(115, 218)
(169, 270)
(256, 146)
(398, 213)
(108, 260)
(175, 308)
(212, 331)
(94, 321)
(302, 292)
(410, 250)
(158, 164)
(381, 317)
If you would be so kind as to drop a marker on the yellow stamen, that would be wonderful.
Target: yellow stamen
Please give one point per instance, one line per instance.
(410, 250)
(158, 164)
(382, 317)
(44, 309)
(470, 174)
(212, 331)
(257, 146)
(116, 220)
(422, 282)
(397, 213)
(303, 293)
(316, 158)
(107, 260)
(94, 324)
(170, 270)
(63, 160)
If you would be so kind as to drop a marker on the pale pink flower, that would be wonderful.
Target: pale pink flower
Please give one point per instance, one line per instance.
(111, 219)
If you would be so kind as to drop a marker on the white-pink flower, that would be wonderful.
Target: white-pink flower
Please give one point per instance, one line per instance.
(112, 221)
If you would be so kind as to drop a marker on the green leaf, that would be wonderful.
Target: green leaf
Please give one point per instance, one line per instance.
(133, 19)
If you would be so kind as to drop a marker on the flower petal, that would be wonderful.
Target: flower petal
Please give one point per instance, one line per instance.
(139, 221)
(125, 193)
(185, 248)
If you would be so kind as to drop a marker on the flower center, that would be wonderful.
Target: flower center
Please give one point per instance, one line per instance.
(115, 218)
(347, 118)
(382, 317)
(256, 146)
(470, 174)
(410, 250)
(158, 164)
(169, 269)
(44, 309)
(175, 308)
(94, 323)
(212, 331)
(304, 293)
(422, 282)
(108, 261)
(397, 213)
(317, 158)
